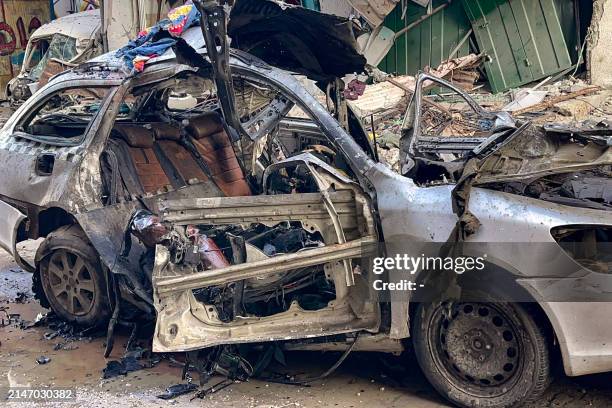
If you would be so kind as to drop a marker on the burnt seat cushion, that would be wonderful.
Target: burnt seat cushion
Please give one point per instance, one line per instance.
(140, 143)
(213, 143)
(135, 135)
(166, 131)
(168, 137)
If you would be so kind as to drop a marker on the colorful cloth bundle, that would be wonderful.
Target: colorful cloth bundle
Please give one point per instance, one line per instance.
(182, 18)
(154, 41)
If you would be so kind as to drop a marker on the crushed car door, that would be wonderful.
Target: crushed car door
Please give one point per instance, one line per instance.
(289, 269)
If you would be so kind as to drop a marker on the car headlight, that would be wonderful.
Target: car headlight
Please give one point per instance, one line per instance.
(588, 245)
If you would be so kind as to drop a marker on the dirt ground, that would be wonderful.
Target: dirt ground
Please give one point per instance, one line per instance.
(365, 379)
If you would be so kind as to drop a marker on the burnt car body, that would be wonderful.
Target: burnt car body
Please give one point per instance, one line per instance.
(252, 223)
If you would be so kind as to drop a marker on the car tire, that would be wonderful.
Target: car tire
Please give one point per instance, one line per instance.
(482, 354)
(72, 277)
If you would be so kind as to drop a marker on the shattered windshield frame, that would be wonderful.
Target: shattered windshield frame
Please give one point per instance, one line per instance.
(61, 48)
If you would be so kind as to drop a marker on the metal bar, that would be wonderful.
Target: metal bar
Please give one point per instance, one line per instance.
(460, 43)
(317, 256)
(421, 19)
(222, 210)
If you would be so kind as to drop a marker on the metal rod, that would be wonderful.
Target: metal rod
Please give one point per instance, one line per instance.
(317, 256)
(460, 43)
(420, 20)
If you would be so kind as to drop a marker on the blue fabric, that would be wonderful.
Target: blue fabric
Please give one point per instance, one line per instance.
(156, 40)
(147, 49)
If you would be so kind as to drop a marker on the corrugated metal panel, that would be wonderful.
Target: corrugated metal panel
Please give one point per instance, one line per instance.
(523, 38)
(429, 43)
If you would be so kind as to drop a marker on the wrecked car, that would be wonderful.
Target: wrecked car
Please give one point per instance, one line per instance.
(58, 45)
(212, 194)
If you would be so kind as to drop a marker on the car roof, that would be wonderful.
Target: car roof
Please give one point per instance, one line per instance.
(81, 26)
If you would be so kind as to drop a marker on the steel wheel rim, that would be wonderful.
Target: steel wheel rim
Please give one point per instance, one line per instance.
(476, 347)
(71, 282)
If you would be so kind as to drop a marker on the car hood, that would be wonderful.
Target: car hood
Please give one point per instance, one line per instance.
(320, 46)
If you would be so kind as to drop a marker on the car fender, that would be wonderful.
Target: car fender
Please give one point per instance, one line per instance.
(10, 220)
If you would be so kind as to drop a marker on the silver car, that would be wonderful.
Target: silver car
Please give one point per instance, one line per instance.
(216, 196)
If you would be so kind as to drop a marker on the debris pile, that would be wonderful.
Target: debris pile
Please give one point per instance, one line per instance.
(461, 72)
(447, 113)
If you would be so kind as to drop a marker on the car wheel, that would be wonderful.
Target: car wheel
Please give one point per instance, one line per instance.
(72, 277)
(481, 354)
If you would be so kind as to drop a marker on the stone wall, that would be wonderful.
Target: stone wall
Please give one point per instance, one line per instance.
(599, 44)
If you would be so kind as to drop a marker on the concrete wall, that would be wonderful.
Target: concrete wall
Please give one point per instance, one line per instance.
(599, 44)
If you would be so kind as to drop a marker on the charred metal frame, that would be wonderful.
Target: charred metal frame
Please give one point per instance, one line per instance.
(414, 144)
(405, 211)
(213, 21)
(342, 217)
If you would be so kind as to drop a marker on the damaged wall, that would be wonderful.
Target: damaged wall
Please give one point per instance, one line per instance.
(600, 43)
(19, 19)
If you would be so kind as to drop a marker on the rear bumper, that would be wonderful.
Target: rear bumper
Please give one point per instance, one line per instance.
(584, 335)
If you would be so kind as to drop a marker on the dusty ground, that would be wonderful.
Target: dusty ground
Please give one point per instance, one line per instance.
(365, 379)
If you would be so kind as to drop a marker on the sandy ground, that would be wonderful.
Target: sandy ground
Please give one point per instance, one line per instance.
(365, 379)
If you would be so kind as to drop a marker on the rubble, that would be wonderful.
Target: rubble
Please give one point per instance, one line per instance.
(382, 98)
(557, 99)
(461, 71)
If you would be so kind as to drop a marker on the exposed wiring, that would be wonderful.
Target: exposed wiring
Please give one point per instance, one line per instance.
(322, 376)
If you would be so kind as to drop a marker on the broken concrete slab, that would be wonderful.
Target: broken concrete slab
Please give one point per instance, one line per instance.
(381, 97)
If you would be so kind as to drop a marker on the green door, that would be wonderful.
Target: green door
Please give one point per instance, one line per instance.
(523, 39)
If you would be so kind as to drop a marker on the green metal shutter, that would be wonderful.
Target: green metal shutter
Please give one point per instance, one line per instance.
(523, 38)
(429, 43)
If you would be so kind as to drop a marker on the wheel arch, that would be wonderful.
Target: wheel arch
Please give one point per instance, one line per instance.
(50, 219)
(62, 238)
(502, 278)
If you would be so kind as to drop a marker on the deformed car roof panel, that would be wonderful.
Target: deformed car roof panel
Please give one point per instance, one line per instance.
(81, 26)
